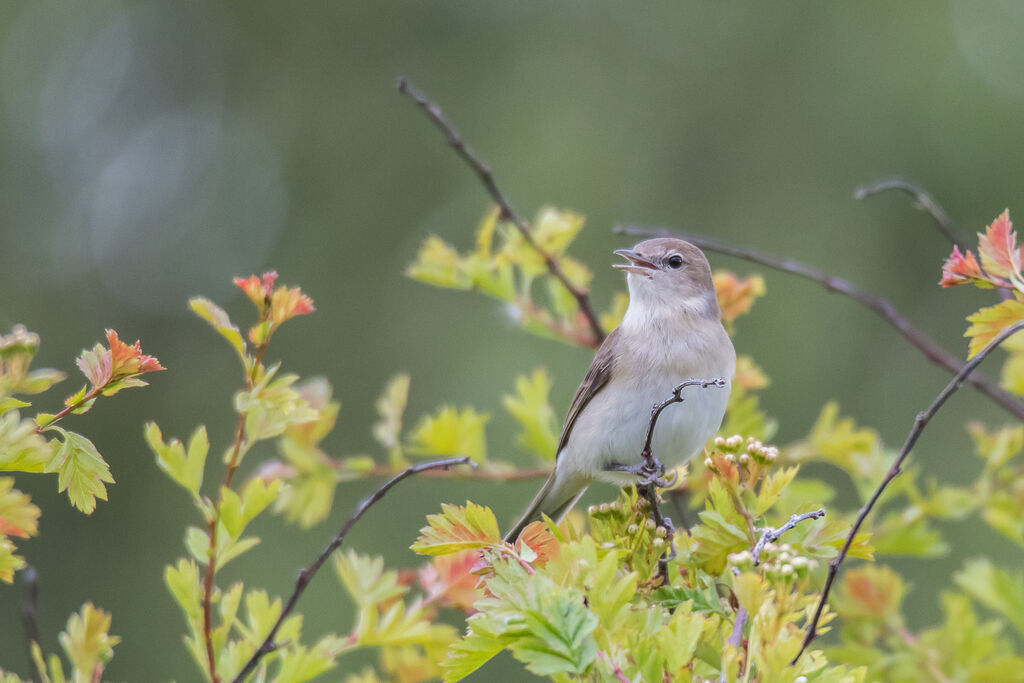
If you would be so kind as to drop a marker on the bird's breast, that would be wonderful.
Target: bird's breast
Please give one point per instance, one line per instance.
(612, 427)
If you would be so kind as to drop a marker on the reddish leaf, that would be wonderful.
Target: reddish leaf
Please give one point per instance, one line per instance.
(540, 541)
(998, 249)
(256, 288)
(961, 269)
(449, 580)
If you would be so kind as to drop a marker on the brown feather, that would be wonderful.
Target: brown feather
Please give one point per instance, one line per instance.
(596, 378)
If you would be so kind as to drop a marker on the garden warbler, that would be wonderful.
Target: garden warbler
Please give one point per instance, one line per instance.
(672, 330)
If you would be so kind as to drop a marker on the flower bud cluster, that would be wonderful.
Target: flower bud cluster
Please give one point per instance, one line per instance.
(743, 451)
(779, 562)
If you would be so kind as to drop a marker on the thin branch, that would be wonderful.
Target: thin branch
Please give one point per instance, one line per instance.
(651, 471)
(920, 422)
(771, 535)
(30, 618)
(483, 172)
(306, 575)
(883, 308)
(526, 474)
(922, 200)
(229, 472)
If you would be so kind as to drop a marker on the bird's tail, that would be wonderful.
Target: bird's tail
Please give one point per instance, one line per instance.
(554, 499)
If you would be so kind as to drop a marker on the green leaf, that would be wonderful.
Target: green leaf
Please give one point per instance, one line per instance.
(22, 449)
(438, 264)
(390, 408)
(87, 642)
(896, 535)
(10, 403)
(996, 589)
(561, 637)
(458, 528)
(531, 408)
(237, 511)
(452, 432)
(218, 318)
(183, 583)
(272, 406)
(18, 516)
(184, 467)
(38, 381)
(996, 448)
(81, 471)
(366, 580)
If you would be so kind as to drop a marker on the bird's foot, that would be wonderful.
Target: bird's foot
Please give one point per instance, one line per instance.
(650, 472)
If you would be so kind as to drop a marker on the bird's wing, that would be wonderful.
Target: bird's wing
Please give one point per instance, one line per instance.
(596, 378)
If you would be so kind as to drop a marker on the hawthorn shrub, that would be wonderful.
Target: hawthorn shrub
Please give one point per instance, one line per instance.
(592, 598)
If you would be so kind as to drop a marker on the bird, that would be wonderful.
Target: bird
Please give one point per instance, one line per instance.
(672, 330)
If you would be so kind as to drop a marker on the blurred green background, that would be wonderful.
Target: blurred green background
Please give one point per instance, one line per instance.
(152, 150)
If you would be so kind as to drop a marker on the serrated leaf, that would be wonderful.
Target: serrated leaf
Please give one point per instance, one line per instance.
(237, 511)
(531, 408)
(184, 467)
(390, 409)
(736, 295)
(218, 318)
(272, 406)
(87, 642)
(561, 637)
(458, 528)
(182, 581)
(451, 432)
(996, 589)
(366, 580)
(988, 322)
(81, 471)
(437, 263)
(22, 448)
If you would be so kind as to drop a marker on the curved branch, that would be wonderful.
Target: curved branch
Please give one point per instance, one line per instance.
(920, 422)
(306, 575)
(883, 308)
(483, 172)
(922, 200)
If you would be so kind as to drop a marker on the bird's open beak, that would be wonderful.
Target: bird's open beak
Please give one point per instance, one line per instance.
(637, 264)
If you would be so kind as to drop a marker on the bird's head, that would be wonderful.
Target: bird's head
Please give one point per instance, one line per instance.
(670, 275)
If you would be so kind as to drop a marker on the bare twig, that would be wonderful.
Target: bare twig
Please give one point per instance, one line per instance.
(650, 473)
(771, 535)
(306, 575)
(877, 305)
(920, 422)
(922, 200)
(212, 523)
(524, 474)
(483, 172)
(30, 618)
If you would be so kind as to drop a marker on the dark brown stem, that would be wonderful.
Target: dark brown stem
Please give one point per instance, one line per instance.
(651, 471)
(95, 392)
(30, 618)
(306, 575)
(487, 475)
(877, 305)
(229, 473)
(483, 172)
(922, 200)
(920, 422)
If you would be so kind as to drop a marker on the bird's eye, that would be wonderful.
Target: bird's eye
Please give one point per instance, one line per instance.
(675, 261)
